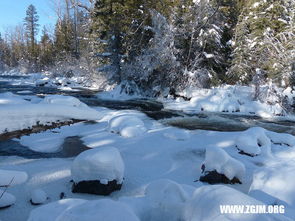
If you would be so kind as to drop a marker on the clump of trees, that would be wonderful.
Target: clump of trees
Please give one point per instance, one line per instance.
(160, 47)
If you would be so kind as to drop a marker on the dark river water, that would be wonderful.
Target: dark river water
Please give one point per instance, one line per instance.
(152, 108)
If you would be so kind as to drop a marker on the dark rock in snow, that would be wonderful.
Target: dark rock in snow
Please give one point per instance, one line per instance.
(62, 195)
(95, 187)
(213, 177)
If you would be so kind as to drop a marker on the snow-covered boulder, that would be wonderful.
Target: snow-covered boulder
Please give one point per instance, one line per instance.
(82, 210)
(98, 171)
(219, 167)
(6, 199)
(42, 82)
(281, 138)
(127, 126)
(254, 142)
(162, 200)
(38, 197)
(206, 201)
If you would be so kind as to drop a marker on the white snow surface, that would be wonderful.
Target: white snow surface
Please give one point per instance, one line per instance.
(159, 173)
(12, 177)
(230, 99)
(206, 201)
(103, 163)
(127, 126)
(217, 159)
(78, 210)
(38, 196)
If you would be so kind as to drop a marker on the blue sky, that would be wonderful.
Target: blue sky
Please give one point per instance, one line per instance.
(13, 12)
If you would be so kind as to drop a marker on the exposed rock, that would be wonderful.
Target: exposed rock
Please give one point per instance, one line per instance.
(96, 187)
(213, 177)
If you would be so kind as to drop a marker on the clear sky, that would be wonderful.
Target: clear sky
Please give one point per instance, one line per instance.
(13, 12)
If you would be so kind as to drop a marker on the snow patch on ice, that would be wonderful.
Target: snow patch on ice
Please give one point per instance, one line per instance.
(12, 177)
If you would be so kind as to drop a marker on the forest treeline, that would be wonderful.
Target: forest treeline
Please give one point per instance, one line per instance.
(159, 47)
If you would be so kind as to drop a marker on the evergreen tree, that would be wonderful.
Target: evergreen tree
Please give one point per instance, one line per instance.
(259, 25)
(31, 27)
(46, 49)
(64, 37)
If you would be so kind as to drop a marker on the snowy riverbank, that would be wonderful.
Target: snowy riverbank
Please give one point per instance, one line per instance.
(158, 152)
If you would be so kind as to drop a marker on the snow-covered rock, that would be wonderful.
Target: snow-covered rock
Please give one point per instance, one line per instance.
(280, 138)
(38, 196)
(228, 98)
(254, 142)
(98, 171)
(12, 177)
(206, 201)
(162, 200)
(127, 126)
(218, 160)
(42, 82)
(166, 199)
(18, 115)
(82, 210)
(6, 199)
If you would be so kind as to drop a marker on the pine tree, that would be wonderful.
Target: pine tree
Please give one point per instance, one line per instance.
(64, 37)
(122, 30)
(31, 27)
(259, 26)
(46, 49)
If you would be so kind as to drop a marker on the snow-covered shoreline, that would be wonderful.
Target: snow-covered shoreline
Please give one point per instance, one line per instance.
(163, 164)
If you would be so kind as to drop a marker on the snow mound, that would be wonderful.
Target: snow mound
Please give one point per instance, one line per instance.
(103, 163)
(81, 210)
(38, 196)
(280, 138)
(127, 126)
(166, 199)
(52, 211)
(12, 177)
(63, 100)
(10, 98)
(228, 98)
(219, 101)
(6, 199)
(17, 115)
(217, 159)
(206, 201)
(254, 142)
(162, 200)
(176, 134)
